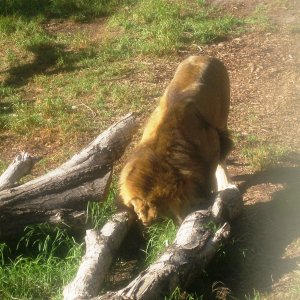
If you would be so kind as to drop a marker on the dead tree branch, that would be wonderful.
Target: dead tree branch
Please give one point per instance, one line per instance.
(20, 167)
(101, 247)
(195, 245)
(62, 194)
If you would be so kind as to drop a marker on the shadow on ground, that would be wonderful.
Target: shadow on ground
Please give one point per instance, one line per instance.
(255, 258)
(49, 58)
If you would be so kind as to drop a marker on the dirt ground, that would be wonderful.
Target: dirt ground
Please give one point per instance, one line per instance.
(264, 71)
(264, 67)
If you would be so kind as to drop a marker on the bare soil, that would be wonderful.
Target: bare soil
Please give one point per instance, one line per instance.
(264, 65)
(264, 70)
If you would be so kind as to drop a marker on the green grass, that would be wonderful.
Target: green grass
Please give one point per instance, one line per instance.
(159, 236)
(158, 27)
(46, 260)
(63, 70)
(256, 296)
(63, 81)
(77, 75)
(53, 114)
(178, 294)
(99, 213)
(3, 166)
(259, 17)
(79, 10)
(261, 155)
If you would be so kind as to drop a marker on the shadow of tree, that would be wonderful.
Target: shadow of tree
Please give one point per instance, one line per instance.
(282, 175)
(46, 61)
(80, 10)
(254, 258)
(263, 233)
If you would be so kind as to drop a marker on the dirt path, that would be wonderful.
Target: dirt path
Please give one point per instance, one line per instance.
(264, 69)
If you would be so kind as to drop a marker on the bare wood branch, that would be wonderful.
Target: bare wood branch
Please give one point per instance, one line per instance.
(108, 146)
(32, 195)
(193, 248)
(66, 208)
(100, 250)
(85, 177)
(20, 167)
(105, 149)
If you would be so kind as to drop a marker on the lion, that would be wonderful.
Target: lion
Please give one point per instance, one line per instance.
(172, 169)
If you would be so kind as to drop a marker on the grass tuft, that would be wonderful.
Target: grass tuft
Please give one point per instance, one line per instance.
(45, 241)
(160, 235)
(99, 213)
(261, 155)
(178, 294)
(48, 260)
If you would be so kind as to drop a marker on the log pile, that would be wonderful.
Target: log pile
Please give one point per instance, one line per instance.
(195, 245)
(101, 247)
(61, 197)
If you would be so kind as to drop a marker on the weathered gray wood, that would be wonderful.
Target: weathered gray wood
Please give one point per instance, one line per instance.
(100, 250)
(227, 204)
(66, 208)
(195, 244)
(70, 219)
(34, 195)
(20, 167)
(85, 177)
(105, 149)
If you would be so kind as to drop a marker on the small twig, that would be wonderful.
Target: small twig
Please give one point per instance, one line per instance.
(94, 114)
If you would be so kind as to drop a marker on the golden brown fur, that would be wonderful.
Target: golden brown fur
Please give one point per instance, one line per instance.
(172, 168)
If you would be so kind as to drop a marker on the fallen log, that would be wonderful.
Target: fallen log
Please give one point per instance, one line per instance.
(62, 194)
(195, 244)
(20, 167)
(101, 246)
